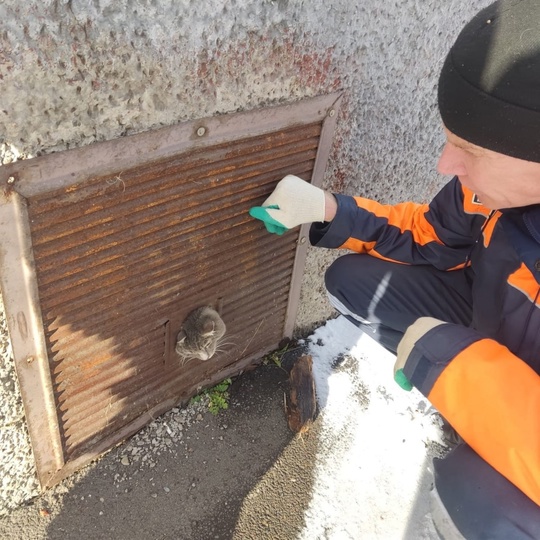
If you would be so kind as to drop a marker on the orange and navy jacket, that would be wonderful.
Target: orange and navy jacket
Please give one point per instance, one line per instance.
(484, 379)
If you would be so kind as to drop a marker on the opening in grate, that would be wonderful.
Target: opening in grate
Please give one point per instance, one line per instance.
(107, 249)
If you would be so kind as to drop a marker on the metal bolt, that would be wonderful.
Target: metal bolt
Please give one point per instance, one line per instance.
(331, 113)
(30, 359)
(201, 131)
(303, 240)
(11, 180)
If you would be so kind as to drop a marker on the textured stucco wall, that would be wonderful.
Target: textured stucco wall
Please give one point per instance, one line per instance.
(79, 71)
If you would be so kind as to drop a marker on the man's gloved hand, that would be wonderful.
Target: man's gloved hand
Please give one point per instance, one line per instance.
(293, 202)
(417, 330)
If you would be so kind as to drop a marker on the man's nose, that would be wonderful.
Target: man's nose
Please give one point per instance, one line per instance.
(451, 161)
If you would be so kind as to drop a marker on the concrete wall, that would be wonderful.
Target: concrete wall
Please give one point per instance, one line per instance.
(78, 71)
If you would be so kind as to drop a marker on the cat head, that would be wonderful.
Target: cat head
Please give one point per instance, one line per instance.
(199, 336)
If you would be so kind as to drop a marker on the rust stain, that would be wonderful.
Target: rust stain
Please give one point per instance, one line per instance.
(112, 268)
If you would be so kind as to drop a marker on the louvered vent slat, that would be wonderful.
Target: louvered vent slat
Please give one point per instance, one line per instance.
(119, 242)
(117, 270)
(62, 332)
(203, 161)
(115, 280)
(63, 340)
(164, 289)
(174, 180)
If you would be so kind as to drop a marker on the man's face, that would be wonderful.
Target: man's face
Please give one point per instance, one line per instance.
(498, 180)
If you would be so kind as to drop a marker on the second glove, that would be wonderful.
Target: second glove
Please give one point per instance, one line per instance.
(416, 331)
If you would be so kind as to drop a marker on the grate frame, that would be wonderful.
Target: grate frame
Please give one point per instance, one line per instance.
(24, 281)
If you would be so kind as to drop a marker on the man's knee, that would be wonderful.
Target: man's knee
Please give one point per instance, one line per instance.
(336, 275)
(344, 272)
(350, 282)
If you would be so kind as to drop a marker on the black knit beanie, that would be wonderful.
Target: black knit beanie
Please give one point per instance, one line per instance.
(489, 88)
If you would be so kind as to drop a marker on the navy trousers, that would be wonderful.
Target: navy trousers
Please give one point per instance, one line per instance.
(384, 299)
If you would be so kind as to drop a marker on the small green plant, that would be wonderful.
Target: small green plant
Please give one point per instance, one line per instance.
(218, 396)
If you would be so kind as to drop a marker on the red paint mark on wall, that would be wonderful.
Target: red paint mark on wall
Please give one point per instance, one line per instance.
(270, 60)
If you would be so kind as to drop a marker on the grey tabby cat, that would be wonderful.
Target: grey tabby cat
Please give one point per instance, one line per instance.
(200, 334)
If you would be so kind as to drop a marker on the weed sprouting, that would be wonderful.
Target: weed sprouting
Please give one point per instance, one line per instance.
(218, 396)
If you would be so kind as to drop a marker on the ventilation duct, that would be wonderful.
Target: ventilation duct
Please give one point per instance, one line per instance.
(105, 250)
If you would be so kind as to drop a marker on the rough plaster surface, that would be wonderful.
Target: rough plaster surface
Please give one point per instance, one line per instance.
(73, 72)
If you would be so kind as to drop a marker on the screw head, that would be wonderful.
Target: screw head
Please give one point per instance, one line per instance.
(30, 359)
(201, 131)
(303, 240)
(331, 113)
(11, 180)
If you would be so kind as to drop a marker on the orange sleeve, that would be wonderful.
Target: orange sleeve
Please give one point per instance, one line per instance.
(406, 217)
(439, 234)
(492, 398)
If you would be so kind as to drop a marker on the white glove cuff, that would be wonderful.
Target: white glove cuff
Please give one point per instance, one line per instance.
(417, 330)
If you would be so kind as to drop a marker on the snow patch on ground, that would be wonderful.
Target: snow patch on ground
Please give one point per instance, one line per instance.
(372, 475)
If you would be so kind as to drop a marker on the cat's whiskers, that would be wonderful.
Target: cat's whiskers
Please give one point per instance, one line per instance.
(223, 346)
(185, 359)
(226, 346)
(232, 339)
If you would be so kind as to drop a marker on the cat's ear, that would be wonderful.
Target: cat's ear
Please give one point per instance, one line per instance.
(181, 337)
(208, 328)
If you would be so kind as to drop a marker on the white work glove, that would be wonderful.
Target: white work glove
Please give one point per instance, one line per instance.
(293, 202)
(416, 331)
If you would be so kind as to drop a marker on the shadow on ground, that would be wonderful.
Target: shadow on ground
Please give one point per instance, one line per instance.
(239, 475)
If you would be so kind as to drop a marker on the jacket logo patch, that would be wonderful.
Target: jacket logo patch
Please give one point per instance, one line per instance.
(475, 199)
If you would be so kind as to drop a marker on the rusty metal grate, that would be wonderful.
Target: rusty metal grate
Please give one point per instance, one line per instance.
(106, 249)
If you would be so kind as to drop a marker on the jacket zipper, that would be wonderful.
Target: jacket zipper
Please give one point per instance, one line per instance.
(533, 304)
(478, 236)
